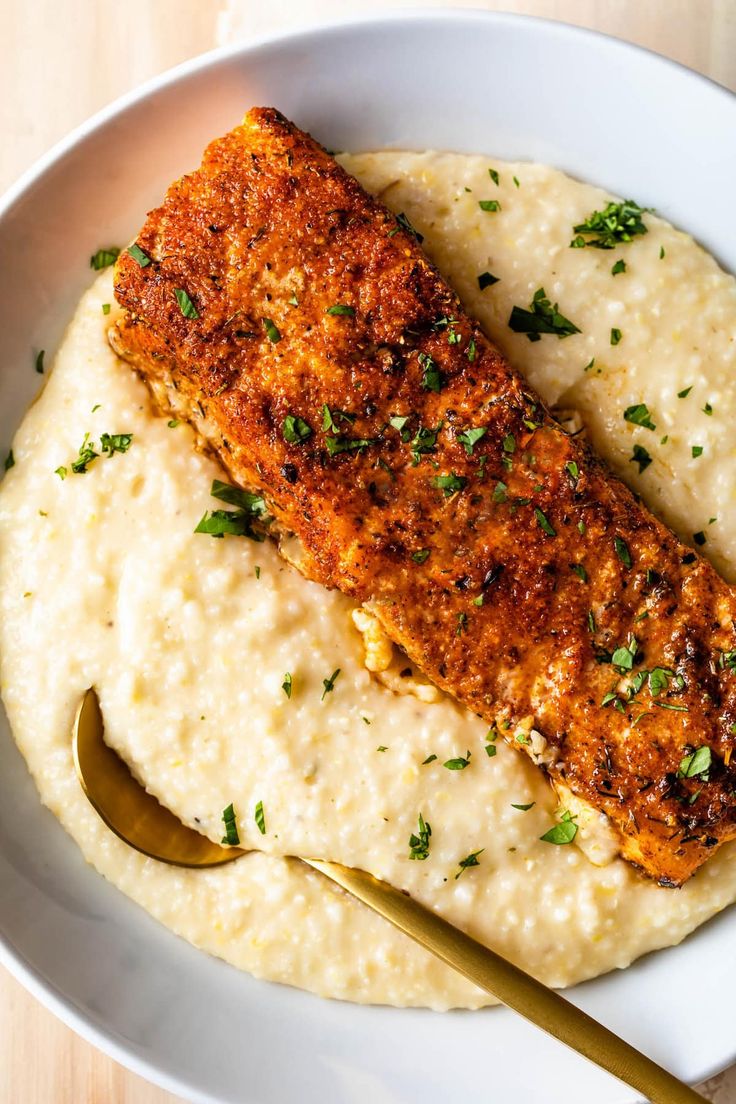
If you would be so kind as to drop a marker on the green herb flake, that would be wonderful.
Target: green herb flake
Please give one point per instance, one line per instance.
(260, 818)
(402, 223)
(419, 841)
(421, 555)
(186, 306)
(620, 266)
(347, 444)
(641, 457)
(431, 376)
(238, 522)
(494, 176)
(341, 309)
(523, 808)
(580, 571)
(708, 409)
(462, 624)
(295, 430)
(541, 318)
(429, 759)
(491, 750)
(487, 279)
(293, 301)
(489, 205)
(398, 421)
(9, 461)
(231, 836)
(697, 450)
(471, 350)
(622, 551)
(449, 484)
(61, 472)
(103, 258)
(638, 414)
(544, 525)
(696, 764)
(615, 336)
(468, 861)
(685, 392)
(142, 259)
(460, 763)
(516, 181)
(469, 438)
(272, 331)
(661, 252)
(39, 362)
(105, 308)
(699, 537)
(329, 684)
(173, 423)
(85, 456)
(499, 492)
(115, 442)
(572, 470)
(562, 833)
(615, 224)
(288, 684)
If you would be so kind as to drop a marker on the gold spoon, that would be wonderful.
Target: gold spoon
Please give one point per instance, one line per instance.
(140, 821)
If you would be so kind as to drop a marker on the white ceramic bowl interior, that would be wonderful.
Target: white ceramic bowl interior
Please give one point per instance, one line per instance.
(517, 88)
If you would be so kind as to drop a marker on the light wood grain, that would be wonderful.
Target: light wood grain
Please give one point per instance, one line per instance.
(59, 62)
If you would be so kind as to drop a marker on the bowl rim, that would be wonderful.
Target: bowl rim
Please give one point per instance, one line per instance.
(32, 980)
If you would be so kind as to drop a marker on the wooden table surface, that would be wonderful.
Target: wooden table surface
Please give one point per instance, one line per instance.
(59, 62)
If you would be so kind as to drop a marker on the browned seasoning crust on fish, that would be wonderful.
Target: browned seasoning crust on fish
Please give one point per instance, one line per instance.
(512, 568)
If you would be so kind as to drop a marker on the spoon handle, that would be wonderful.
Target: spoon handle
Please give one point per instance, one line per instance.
(515, 988)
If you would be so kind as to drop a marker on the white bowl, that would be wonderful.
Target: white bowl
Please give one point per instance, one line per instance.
(519, 88)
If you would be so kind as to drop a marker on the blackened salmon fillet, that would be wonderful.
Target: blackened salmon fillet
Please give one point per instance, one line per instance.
(300, 327)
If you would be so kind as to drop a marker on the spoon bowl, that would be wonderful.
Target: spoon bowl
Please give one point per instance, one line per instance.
(126, 807)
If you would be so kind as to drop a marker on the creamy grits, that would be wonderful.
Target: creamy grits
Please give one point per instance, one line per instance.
(190, 639)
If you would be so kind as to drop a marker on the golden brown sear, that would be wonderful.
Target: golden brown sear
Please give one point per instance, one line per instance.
(300, 327)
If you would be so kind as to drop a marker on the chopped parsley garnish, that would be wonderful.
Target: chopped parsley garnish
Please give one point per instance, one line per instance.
(103, 258)
(260, 818)
(420, 556)
(491, 750)
(231, 829)
(293, 301)
(523, 808)
(138, 255)
(330, 418)
(272, 331)
(39, 362)
(61, 472)
(620, 266)
(516, 181)
(661, 252)
(347, 444)
(659, 680)
(238, 522)
(499, 492)
(449, 484)
(708, 409)
(591, 621)
(685, 392)
(288, 684)
(429, 759)
(469, 860)
(615, 335)
(580, 571)
(640, 457)
(402, 223)
(9, 460)
(494, 176)
(106, 308)
(398, 421)
(544, 525)
(572, 470)
(541, 318)
(431, 375)
(638, 414)
(561, 833)
(469, 438)
(624, 657)
(419, 841)
(423, 442)
(471, 350)
(341, 309)
(382, 747)
(458, 764)
(697, 764)
(489, 205)
(697, 450)
(329, 684)
(173, 423)
(186, 306)
(622, 551)
(115, 442)
(699, 537)
(295, 430)
(85, 456)
(462, 624)
(617, 223)
(487, 279)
